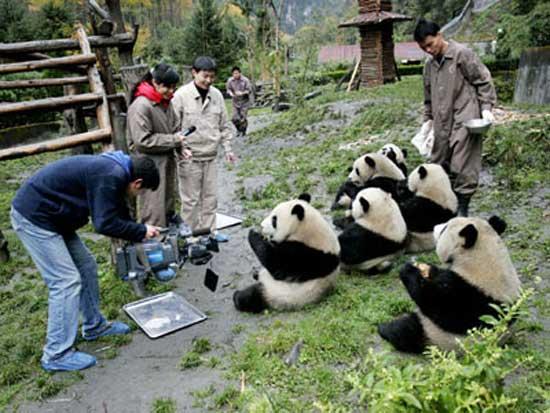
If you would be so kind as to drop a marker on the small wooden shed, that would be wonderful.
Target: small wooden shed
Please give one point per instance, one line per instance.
(375, 23)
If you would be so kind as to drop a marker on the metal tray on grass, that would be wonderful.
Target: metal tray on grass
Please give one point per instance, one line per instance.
(163, 313)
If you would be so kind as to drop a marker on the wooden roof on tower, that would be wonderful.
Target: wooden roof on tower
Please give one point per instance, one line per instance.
(372, 12)
(372, 18)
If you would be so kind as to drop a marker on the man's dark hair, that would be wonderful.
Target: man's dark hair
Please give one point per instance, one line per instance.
(205, 63)
(425, 28)
(144, 168)
(236, 68)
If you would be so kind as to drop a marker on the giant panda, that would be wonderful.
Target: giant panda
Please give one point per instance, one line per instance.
(351, 187)
(346, 194)
(372, 170)
(431, 202)
(396, 155)
(299, 252)
(477, 272)
(377, 235)
(375, 170)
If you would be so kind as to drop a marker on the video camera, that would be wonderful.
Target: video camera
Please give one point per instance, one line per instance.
(162, 257)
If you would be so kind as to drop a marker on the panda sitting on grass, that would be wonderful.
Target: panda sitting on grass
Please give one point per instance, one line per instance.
(373, 170)
(478, 272)
(428, 200)
(299, 252)
(376, 237)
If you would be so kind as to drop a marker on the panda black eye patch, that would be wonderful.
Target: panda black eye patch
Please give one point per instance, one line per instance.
(274, 221)
(357, 171)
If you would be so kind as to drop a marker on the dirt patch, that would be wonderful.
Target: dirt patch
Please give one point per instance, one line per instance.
(146, 370)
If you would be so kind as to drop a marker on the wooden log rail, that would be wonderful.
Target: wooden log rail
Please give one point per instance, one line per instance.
(98, 135)
(42, 46)
(59, 81)
(58, 103)
(30, 83)
(86, 59)
(96, 86)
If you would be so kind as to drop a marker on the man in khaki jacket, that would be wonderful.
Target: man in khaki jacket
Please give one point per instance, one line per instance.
(457, 88)
(200, 104)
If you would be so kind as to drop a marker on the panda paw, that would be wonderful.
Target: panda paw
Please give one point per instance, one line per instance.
(410, 274)
(250, 299)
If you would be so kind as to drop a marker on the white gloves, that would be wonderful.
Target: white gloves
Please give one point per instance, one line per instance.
(424, 139)
(426, 127)
(488, 115)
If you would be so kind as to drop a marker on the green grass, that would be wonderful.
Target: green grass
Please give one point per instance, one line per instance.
(336, 361)
(339, 334)
(24, 301)
(164, 406)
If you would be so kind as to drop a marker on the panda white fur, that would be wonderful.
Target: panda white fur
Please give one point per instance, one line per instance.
(299, 252)
(345, 195)
(431, 202)
(375, 168)
(478, 272)
(377, 235)
(396, 155)
(378, 175)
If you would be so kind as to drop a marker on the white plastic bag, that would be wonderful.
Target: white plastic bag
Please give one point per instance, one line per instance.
(424, 139)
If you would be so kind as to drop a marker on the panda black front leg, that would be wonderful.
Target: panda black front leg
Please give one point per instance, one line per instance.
(411, 277)
(251, 299)
(404, 333)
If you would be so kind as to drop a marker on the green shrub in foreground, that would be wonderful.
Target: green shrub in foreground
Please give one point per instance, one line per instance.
(470, 382)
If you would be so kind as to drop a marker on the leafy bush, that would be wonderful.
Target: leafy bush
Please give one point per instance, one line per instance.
(520, 151)
(539, 23)
(505, 85)
(472, 382)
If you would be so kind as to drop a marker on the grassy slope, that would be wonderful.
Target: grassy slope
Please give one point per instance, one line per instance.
(23, 303)
(339, 332)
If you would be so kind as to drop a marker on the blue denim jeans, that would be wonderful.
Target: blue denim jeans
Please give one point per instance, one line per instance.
(70, 273)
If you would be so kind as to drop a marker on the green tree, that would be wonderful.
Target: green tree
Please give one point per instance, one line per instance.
(539, 23)
(15, 21)
(210, 33)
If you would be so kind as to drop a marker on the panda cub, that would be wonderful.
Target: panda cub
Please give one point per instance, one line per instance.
(350, 188)
(431, 202)
(377, 235)
(478, 272)
(375, 170)
(396, 154)
(299, 253)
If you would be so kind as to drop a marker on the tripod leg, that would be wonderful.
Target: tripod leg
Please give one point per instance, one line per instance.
(138, 285)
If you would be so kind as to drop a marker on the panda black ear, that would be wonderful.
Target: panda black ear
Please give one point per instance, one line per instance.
(498, 224)
(299, 211)
(305, 197)
(370, 162)
(422, 172)
(404, 151)
(469, 232)
(364, 204)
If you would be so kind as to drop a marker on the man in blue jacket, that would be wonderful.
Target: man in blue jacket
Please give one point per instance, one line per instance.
(46, 212)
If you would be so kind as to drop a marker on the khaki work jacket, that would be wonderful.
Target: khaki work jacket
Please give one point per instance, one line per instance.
(456, 90)
(151, 127)
(210, 119)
